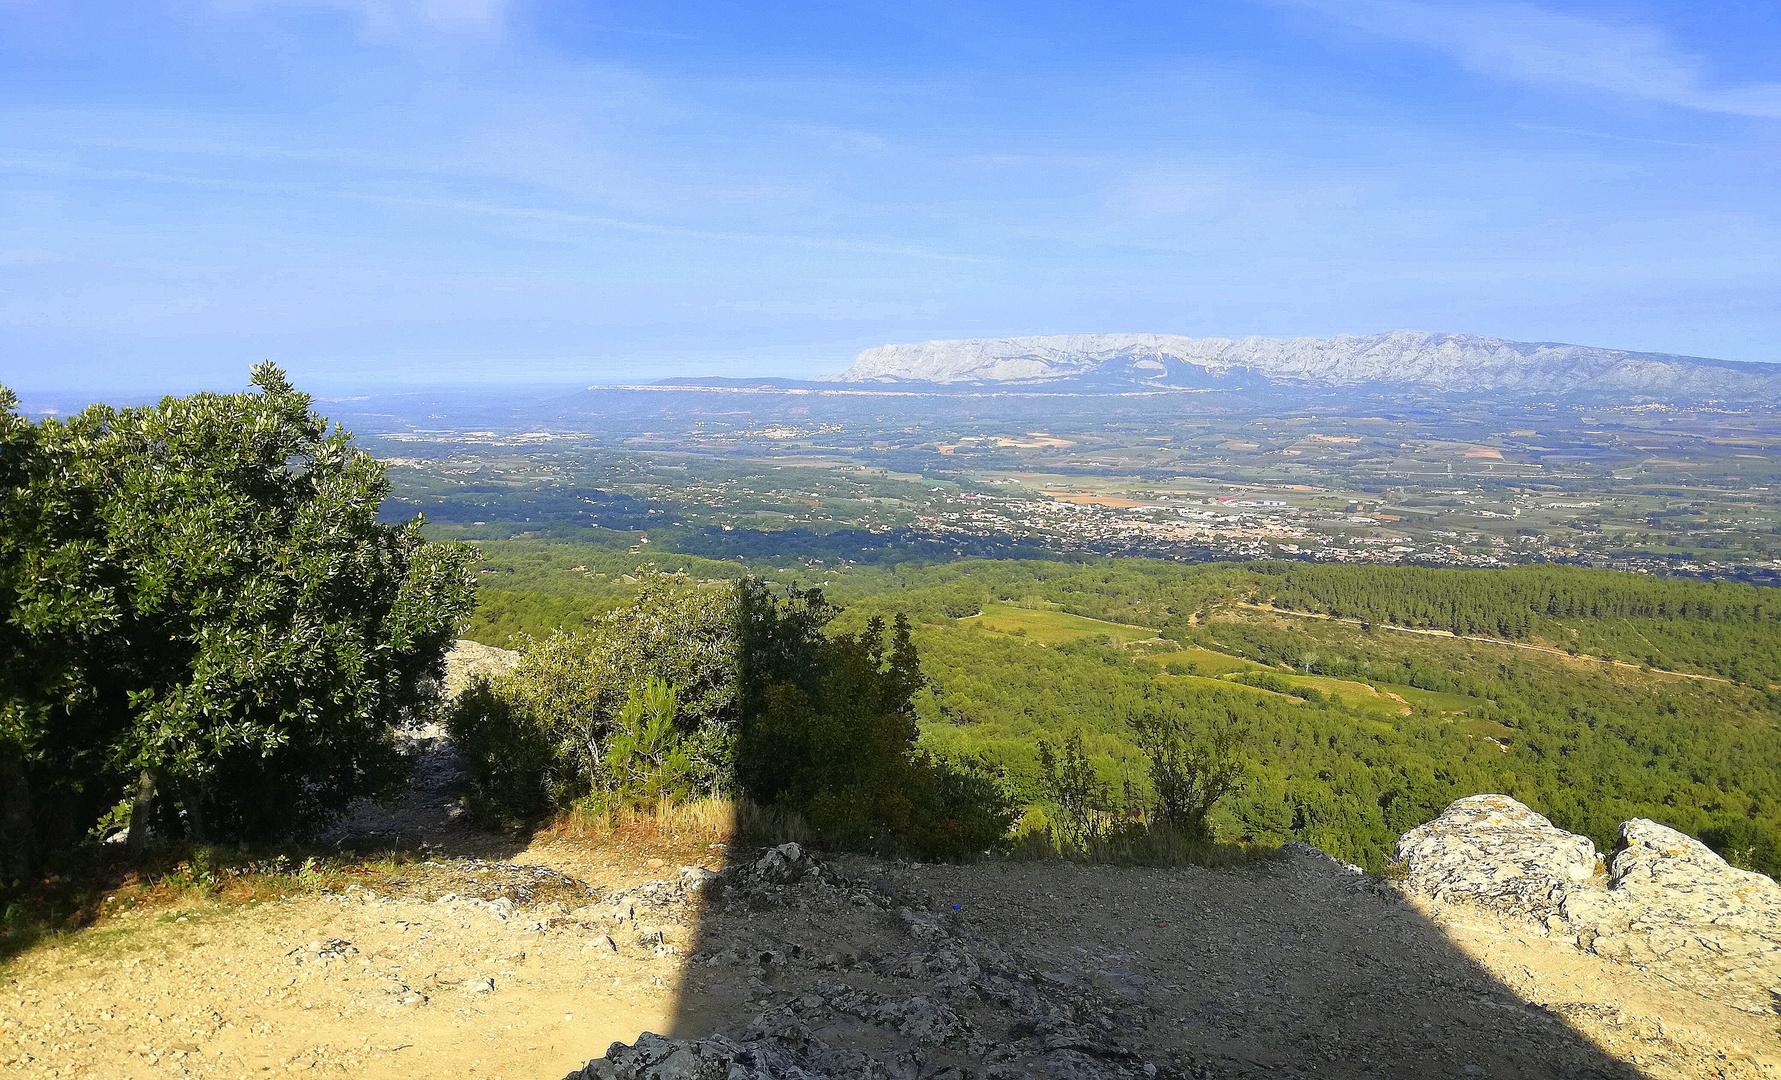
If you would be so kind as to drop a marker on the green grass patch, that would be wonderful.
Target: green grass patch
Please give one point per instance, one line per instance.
(1199, 661)
(1358, 695)
(1227, 684)
(1432, 700)
(1486, 727)
(1050, 627)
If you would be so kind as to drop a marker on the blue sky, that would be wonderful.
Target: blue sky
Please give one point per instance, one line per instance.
(402, 193)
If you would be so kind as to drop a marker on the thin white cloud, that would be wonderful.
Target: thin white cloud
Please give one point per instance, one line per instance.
(836, 308)
(1530, 44)
(397, 18)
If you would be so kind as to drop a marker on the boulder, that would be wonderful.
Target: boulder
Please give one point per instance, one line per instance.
(1492, 849)
(1665, 898)
(468, 659)
(699, 882)
(787, 864)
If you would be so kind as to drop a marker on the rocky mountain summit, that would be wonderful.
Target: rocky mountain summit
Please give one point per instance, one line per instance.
(1405, 359)
(1502, 949)
(953, 1006)
(1500, 946)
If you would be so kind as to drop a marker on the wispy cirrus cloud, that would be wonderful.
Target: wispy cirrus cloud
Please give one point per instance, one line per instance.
(1530, 44)
(383, 18)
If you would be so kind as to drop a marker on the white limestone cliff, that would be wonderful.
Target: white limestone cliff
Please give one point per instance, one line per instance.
(1443, 363)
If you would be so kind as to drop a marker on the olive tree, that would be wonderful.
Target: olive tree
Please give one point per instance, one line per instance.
(202, 609)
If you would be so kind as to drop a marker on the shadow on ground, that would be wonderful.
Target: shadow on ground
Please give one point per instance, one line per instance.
(430, 816)
(1294, 966)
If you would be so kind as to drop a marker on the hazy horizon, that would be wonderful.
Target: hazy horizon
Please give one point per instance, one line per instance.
(406, 194)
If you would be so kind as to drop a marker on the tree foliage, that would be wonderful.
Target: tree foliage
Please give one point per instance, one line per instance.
(1079, 798)
(200, 592)
(566, 702)
(829, 729)
(1190, 770)
(1587, 744)
(696, 689)
(647, 755)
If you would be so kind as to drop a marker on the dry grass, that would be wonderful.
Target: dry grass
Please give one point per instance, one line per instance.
(716, 819)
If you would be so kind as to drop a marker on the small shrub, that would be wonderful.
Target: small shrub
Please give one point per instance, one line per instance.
(646, 761)
(507, 754)
(1079, 797)
(1190, 771)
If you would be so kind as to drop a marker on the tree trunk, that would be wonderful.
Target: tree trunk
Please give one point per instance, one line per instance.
(197, 828)
(141, 809)
(18, 834)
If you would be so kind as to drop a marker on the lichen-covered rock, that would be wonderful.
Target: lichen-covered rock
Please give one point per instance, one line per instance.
(699, 882)
(1669, 869)
(1666, 899)
(1492, 849)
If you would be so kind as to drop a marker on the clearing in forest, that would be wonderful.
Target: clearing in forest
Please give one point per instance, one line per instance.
(1052, 627)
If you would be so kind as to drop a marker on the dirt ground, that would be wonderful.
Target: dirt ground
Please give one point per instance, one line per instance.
(497, 958)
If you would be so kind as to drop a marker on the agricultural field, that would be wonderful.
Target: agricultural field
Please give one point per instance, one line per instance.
(805, 482)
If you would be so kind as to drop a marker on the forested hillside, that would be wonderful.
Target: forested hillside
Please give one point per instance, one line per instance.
(1723, 628)
(1351, 734)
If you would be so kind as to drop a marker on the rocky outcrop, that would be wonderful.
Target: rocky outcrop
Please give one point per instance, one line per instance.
(469, 659)
(1494, 850)
(1663, 899)
(1438, 363)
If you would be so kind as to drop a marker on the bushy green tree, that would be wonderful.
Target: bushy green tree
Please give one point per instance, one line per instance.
(821, 712)
(578, 705)
(1080, 800)
(201, 605)
(828, 729)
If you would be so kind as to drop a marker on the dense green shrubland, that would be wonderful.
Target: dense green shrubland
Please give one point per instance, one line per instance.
(1725, 629)
(1587, 744)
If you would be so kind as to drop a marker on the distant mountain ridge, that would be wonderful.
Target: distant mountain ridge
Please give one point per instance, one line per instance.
(1407, 359)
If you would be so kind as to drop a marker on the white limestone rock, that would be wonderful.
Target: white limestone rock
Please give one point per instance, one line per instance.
(1492, 849)
(468, 659)
(1666, 899)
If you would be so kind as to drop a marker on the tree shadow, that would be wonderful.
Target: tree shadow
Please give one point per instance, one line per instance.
(429, 817)
(1291, 966)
